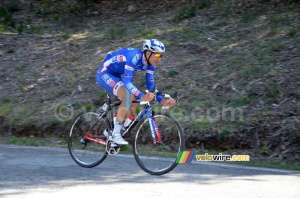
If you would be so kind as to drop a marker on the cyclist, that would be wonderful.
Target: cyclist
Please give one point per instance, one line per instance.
(116, 74)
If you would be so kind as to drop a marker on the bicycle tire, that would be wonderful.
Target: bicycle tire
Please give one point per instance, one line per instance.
(159, 158)
(84, 152)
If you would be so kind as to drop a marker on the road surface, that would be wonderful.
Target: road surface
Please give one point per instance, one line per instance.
(41, 172)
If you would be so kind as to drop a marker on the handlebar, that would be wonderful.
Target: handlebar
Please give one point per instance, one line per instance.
(158, 93)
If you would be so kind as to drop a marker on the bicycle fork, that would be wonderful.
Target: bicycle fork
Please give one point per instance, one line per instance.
(155, 133)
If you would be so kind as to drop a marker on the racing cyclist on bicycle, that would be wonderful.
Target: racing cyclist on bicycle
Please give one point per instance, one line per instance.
(116, 74)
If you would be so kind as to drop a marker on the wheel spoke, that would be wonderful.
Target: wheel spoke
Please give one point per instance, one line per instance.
(85, 139)
(158, 158)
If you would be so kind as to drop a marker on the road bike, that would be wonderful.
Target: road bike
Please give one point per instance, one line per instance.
(157, 139)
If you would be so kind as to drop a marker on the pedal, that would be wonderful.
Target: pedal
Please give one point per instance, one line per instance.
(112, 144)
(112, 148)
(114, 151)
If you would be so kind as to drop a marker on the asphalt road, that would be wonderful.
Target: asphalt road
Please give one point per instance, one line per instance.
(39, 172)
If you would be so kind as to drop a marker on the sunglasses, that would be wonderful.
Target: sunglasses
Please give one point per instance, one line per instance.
(157, 55)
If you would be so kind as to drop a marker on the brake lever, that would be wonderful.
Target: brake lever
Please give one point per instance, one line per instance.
(173, 96)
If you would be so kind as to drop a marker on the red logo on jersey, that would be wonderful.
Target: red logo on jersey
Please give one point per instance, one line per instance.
(112, 83)
(121, 58)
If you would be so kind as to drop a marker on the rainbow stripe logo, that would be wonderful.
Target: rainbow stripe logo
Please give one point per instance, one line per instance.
(185, 157)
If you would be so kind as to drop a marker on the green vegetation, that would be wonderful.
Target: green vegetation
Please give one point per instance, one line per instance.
(35, 141)
(6, 17)
(2, 28)
(168, 87)
(172, 73)
(265, 150)
(201, 124)
(116, 31)
(224, 133)
(9, 51)
(184, 13)
(5, 109)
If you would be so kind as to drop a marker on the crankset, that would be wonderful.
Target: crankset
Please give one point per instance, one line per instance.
(112, 148)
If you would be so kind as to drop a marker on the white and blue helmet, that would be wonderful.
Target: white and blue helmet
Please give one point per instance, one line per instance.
(153, 45)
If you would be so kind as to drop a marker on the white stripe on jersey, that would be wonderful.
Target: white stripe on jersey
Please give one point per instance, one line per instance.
(129, 68)
(149, 71)
(107, 63)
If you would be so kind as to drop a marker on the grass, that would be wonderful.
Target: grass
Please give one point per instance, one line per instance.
(184, 13)
(6, 15)
(19, 113)
(146, 32)
(5, 109)
(249, 17)
(168, 86)
(10, 51)
(265, 150)
(20, 27)
(2, 28)
(102, 96)
(252, 70)
(224, 132)
(20, 66)
(238, 101)
(116, 31)
(30, 141)
(172, 73)
(38, 29)
(50, 141)
(201, 124)
(273, 90)
(184, 33)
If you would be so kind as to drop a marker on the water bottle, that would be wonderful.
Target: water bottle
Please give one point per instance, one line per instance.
(128, 121)
(115, 118)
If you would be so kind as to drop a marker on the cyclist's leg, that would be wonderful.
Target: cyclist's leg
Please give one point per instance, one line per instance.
(126, 108)
(122, 114)
(132, 109)
(129, 105)
(114, 85)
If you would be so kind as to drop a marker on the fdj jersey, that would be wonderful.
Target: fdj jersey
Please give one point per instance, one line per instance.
(118, 68)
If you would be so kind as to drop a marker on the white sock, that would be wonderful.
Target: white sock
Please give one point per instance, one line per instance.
(117, 128)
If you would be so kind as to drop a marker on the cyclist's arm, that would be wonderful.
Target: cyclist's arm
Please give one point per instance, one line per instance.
(150, 77)
(150, 81)
(128, 78)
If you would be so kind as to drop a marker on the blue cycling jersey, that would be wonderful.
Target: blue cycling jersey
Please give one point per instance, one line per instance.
(123, 63)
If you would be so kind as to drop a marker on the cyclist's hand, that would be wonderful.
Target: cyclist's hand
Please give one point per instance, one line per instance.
(168, 102)
(147, 97)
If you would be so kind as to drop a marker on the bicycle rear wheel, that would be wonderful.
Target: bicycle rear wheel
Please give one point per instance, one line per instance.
(158, 158)
(86, 152)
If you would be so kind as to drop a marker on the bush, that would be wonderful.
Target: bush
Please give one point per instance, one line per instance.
(6, 16)
(184, 13)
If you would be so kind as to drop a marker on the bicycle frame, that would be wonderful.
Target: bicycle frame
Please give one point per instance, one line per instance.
(156, 138)
(108, 108)
(94, 139)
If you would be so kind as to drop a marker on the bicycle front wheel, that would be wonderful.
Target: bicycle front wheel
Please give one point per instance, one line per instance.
(160, 157)
(83, 139)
